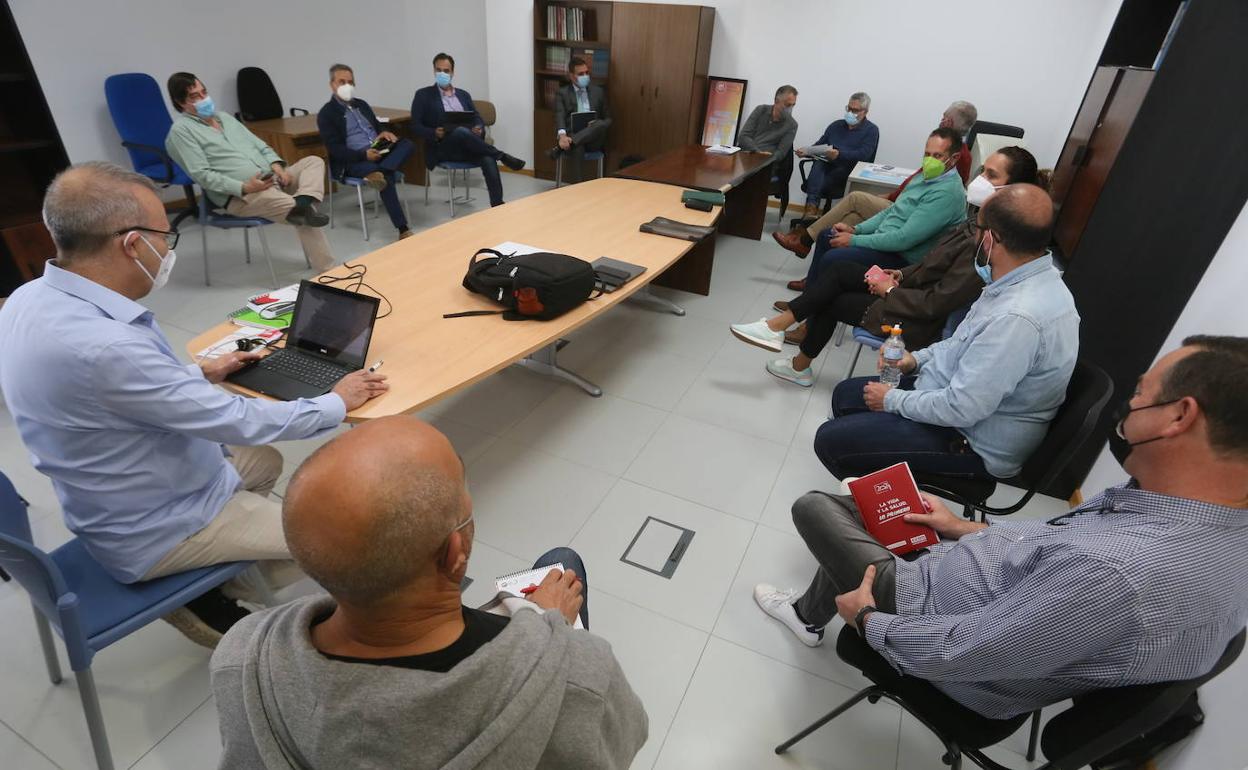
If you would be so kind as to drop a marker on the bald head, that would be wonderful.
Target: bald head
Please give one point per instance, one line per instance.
(368, 514)
(88, 203)
(1021, 219)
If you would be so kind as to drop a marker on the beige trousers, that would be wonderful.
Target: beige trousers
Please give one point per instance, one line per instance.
(307, 177)
(853, 209)
(248, 528)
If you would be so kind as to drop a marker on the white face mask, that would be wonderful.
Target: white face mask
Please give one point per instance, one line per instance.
(346, 92)
(166, 265)
(978, 190)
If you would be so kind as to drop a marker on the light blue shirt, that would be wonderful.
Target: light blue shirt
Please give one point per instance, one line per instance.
(1002, 375)
(360, 133)
(131, 437)
(582, 98)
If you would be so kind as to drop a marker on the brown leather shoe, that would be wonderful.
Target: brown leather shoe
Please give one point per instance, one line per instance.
(780, 305)
(797, 285)
(792, 241)
(796, 335)
(376, 180)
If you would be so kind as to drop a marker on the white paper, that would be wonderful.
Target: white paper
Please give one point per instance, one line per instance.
(723, 149)
(512, 585)
(511, 248)
(885, 173)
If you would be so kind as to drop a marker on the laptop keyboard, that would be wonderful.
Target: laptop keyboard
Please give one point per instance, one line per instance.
(307, 369)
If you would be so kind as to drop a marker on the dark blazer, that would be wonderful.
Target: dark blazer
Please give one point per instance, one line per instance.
(428, 116)
(930, 291)
(565, 105)
(331, 121)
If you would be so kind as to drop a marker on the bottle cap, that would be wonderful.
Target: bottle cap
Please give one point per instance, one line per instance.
(896, 330)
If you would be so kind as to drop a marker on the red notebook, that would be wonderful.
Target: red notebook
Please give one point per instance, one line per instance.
(883, 499)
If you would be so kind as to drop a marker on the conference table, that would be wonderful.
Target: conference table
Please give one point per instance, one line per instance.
(428, 357)
(298, 137)
(743, 177)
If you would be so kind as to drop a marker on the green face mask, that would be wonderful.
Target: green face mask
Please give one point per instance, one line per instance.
(932, 167)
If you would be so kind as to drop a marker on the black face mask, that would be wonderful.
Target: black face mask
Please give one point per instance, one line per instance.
(1119, 447)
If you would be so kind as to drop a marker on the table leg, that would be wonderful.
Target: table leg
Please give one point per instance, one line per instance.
(646, 295)
(546, 361)
(745, 208)
(692, 272)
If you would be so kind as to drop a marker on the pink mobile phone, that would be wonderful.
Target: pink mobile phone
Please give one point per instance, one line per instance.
(875, 273)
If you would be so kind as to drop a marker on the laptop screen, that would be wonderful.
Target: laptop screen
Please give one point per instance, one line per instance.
(334, 323)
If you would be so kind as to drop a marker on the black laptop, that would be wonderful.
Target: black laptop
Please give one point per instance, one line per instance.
(327, 340)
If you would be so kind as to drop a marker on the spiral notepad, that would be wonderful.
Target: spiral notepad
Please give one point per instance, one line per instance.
(516, 581)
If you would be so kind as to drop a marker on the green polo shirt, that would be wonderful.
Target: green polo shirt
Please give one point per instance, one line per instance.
(219, 161)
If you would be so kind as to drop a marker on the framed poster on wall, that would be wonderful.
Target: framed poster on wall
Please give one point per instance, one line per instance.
(725, 99)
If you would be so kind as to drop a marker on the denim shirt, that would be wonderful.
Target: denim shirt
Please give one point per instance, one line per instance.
(1002, 375)
(360, 135)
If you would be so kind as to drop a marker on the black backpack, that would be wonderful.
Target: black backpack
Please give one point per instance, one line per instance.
(541, 286)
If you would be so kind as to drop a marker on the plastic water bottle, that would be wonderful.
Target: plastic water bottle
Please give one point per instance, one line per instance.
(893, 351)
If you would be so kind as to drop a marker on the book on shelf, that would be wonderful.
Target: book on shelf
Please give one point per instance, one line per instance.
(564, 23)
(550, 88)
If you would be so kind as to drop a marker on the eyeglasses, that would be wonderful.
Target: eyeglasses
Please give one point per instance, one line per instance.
(171, 236)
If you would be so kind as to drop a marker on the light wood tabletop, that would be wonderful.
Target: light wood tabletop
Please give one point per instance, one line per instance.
(428, 357)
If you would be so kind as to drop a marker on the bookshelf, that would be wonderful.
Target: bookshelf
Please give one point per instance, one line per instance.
(651, 58)
(562, 30)
(31, 154)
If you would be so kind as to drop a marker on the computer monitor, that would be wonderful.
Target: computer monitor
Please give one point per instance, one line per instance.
(333, 323)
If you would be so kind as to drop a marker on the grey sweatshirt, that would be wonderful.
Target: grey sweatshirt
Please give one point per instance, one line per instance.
(539, 695)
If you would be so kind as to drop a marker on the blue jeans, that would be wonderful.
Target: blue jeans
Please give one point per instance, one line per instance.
(570, 560)
(858, 441)
(824, 254)
(466, 147)
(397, 156)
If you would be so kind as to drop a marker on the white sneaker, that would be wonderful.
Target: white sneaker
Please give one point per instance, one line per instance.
(783, 368)
(758, 334)
(779, 605)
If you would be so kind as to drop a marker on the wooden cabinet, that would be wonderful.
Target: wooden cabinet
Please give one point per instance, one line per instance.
(1108, 111)
(31, 154)
(656, 79)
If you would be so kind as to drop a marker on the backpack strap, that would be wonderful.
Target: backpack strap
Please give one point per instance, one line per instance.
(468, 313)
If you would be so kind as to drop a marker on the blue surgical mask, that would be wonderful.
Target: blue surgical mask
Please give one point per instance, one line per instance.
(443, 79)
(582, 81)
(851, 118)
(984, 271)
(205, 108)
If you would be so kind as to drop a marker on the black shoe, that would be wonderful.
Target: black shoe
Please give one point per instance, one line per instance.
(306, 216)
(511, 162)
(206, 619)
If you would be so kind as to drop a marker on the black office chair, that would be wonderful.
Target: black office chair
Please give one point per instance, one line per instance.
(1086, 395)
(780, 182)
(825, 201)
(1095, 726)
(988, 127)
(258, 99)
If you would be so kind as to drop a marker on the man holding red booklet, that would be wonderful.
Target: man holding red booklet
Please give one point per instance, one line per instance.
(1145, 583)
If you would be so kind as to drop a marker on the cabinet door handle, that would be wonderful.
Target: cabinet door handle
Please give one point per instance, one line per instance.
(656, 92)
(643, 91)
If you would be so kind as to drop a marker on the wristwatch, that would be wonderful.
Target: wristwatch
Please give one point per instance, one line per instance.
(862, 613)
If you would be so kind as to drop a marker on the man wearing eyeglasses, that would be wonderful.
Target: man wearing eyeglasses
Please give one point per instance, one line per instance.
(157, 470)
(843, 143)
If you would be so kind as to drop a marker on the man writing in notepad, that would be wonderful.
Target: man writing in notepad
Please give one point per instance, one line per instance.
(158, 471)
(1145, 583)
(391, 669)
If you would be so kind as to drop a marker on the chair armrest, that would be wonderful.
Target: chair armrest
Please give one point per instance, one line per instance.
(297, 111)
(802, 165)
(158, 152)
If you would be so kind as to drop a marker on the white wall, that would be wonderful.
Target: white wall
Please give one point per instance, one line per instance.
(1022, 63)
(76, 44)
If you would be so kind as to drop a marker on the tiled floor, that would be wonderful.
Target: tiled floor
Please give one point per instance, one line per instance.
(690, 430)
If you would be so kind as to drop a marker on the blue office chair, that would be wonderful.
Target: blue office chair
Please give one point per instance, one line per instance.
(142, 120)
(359, 184)
(71, 593)
(450, 167)
(210, 217)
(597, 155)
